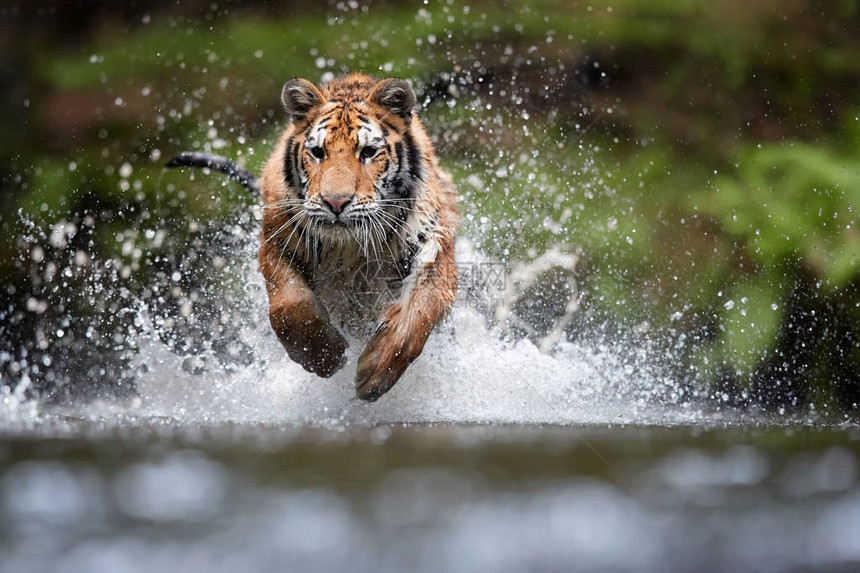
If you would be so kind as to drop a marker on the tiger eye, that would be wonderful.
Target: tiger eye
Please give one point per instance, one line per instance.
(367, 153)
(317, 152)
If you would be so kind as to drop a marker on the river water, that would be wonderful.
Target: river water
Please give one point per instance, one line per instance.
(156, 495)
(489, 455)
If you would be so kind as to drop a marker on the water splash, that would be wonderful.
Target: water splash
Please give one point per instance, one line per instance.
(497, 359)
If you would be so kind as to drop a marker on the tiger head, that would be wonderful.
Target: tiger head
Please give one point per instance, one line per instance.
(353, 157)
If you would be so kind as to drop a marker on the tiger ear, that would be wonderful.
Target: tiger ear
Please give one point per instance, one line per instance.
(300, 96)
(395, 95)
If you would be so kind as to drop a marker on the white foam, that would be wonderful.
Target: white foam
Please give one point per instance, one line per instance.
(468, 373)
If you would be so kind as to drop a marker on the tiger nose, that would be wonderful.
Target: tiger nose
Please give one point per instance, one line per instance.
(336, 202)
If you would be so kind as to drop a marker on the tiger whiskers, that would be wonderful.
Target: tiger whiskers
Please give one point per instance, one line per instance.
(296, 226)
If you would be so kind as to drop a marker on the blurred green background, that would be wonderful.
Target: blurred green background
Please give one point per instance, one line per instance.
(702, 158)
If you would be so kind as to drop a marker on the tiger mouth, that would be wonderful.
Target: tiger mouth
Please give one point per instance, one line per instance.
(338, 221)
(353, 218)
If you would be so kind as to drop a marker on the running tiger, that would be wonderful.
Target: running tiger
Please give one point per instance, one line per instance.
(358, 228)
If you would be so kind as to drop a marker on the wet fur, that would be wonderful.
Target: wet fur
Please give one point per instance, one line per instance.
(384, 267)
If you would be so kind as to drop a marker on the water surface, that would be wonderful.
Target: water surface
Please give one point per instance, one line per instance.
(151, 494)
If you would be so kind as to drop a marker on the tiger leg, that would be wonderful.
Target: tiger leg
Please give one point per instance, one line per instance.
(300, 321)
(406, 324)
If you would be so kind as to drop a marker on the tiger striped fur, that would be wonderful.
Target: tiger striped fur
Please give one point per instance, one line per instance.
(358, 229)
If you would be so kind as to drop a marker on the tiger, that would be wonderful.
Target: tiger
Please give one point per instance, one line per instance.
(358, 228)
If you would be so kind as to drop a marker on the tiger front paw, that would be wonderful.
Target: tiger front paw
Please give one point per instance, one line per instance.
(397, 342)
(315, 345)
(327, 359)
(380, 366)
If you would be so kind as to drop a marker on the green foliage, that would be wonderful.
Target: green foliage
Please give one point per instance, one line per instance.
(750, 324)
(795, 201)
(786, 206)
